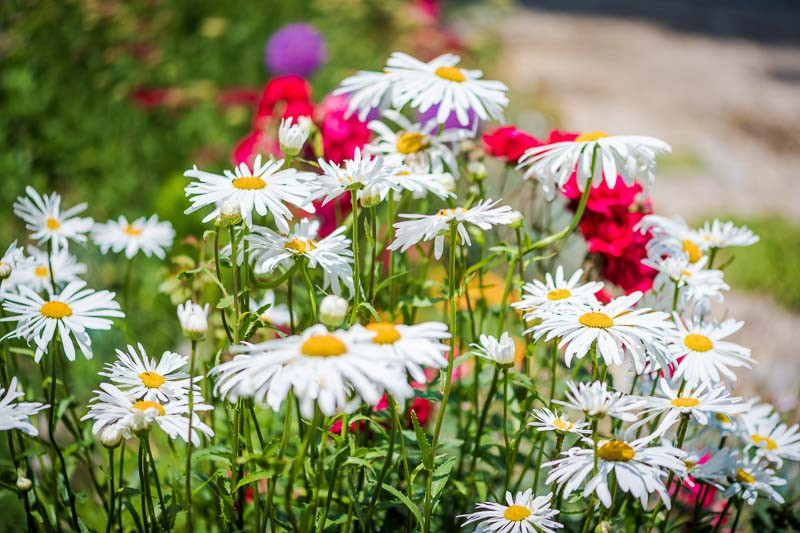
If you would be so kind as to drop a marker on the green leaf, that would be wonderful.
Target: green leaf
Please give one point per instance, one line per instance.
(246, 480)
(225, 302)
(422, 441)
(408, 503)
(441, 475)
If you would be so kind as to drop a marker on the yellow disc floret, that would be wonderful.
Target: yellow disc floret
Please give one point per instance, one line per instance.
(300, 245)
(695, 254)
(590, 136)
(250, 183)
(152, 380)
(761, 439)
(56, 309)
(52, 224)
(410, 142)
(131, 230)
(744, 477)
(596, 320)
(323, 346)
(450, 74)
(558, 294)
(516, 513)
(685, 402)
(616, 450)
(697, 342)
(385, 333)
(144, 406)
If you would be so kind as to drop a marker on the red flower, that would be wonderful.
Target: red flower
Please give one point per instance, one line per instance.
(282, 97)
(340, 136)
(509, 143)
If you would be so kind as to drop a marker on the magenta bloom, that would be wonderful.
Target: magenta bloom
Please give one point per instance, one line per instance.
(295, 49)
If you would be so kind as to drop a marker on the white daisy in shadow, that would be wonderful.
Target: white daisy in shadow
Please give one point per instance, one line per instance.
(34, 272)
(16, 415)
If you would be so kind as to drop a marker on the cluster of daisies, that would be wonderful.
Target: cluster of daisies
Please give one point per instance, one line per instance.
(671, 340)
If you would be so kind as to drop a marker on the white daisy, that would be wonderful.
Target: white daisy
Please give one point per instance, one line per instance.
(703, 356)
(43, 216)
(368, 90)
(630, 156)
(772, 440)
(751, 477)
(16, 415)
(547, 420)
(523, 513)
(330, 370)
(275, 314)
(12, 259)
(594, 400)
(710, 466)
(145, 378)
(147, 235)
(73, 311)
(417, 146)
(500, 351)
(262, 189)
(331, 253)
(716, 234)
(612, 329)
(639, 470)
(453, 89)
(696, 285)
(292, 137)
(671, 236)
(112, 407)
(700, 403)
(414, 347)
(35, 271)
(421, 228)
(356, 174)
(558, 290)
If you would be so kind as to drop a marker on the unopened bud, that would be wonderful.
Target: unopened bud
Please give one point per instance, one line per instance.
(194, 320)
(332, 310)
(23, 483)
(371, 195)
(604, 527)
(516, 219)
(292, 137)
(111, 436)
(5, 270)
(230, 214)
(476, 171)
(141, 423)
(448, 182)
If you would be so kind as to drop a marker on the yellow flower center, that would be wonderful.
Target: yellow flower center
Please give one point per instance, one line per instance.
(590, 136)
(558, 294)
(385, 333)
(596, 320)
(144, 406)
(152, 380)
(450, 74)
(41, 271)
(323, 346)
(250, 183)
(53, 224)
(689, 464)
(410, 142)
(616, 450)
(695, 254)
(563, 424)
(685, 402)
(725, 419)
(516, 513)
(448, 212)
(56, 309)
(301, 246)
(132, 231)
(698, 343)
(744, 477)
(761, 439)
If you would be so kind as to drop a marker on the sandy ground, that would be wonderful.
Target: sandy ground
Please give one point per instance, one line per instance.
(730, 108)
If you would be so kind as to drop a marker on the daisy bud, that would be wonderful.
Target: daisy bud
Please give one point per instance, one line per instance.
(448, 182)
(111, 436)
(230, 214)
(140, 423)
(23, 483)
(371, 195)
(5, 270)
(501, 350)
(193, 319)
(476, 171)
(293, 137)
(474, 190)
(516, 220)
(332, 310)
(604, 527)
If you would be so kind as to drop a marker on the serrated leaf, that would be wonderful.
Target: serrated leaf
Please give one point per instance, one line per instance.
(422, 442)
(408, 503)
(440, 476)
(225, 302)
(246, 480)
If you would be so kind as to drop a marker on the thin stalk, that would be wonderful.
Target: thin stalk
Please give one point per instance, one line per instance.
(721, 520)
(356, 259)
(219, 278)
(310, 286)
(235, 270)
(287, 429)
(142, 488)
(553, 368)
(482, 419)
(387, 463)
(297, 465)
(679, 441)
(504, 302)
(189, 440)
(151, 461)
(509, 465)
(334, 477)
(374, 256)
(111, 490)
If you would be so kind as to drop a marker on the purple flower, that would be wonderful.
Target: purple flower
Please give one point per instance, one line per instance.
(295, 49)
(452, 121)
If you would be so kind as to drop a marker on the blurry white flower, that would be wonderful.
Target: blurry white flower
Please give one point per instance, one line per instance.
(412, 347)
(292, 137)
(332, 310)
(716, 234)
(276, 314)
(16, 415)
(11, 259)
(193, 319)
(147, 235)
(354, 175)
(48, 223)
(34, 271)
(547, 420)
(751, 477)
(500, 351)
(594, 400)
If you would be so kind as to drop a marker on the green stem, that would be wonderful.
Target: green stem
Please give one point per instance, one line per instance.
(310, 286)
(142, 488)
(387, 463)
(219, 278)
(482, 420)
(553, 368)
(334, 477)
(287, 429)
(356, 259)
(151, 461)
(111, 490)
(679, 441)
(509, 465)
(189, 440)
(235, 270)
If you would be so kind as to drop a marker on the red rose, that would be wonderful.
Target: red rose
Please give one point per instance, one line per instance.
(509, 143)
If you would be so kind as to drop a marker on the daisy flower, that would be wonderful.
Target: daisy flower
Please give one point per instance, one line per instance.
(696, 284)
(35, 271)
(751, 477)
(710, 466)
(716, 234)
(547, 420)
(772, 440)
(594, 155)
(16, 415)
(414, 346)
(367, 91)
(594, 400)
(262, 189)
(440, 82)
(274, 314)
(612, 329)
(500, 351)
(356, 174)
(639, 470)
(112, 407)
(145, 378)
(12, 259)
(557, 290)
(421, 228)
(417, 146)
(700, 403)
(146, 235)
(292, 137)
(703, 356)
(48, 223)
(331, 253)
(671, 236)
(522, 513)
(332, 370)
(72, 311)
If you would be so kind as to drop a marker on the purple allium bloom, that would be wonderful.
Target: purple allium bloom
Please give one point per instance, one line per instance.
(452, 120)
(295, 49)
